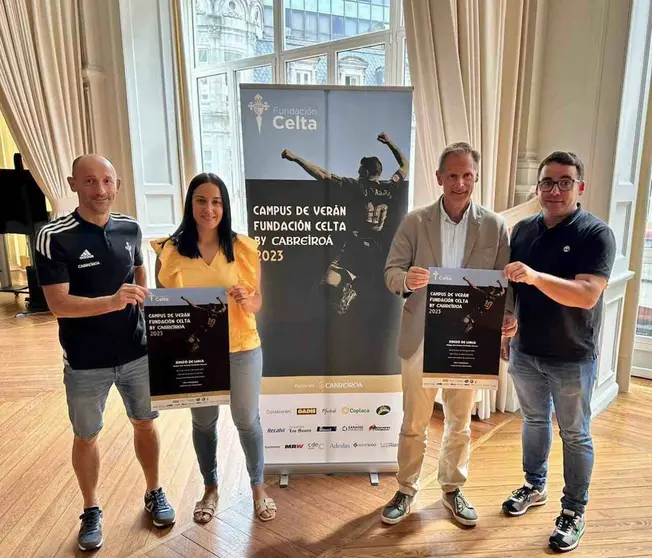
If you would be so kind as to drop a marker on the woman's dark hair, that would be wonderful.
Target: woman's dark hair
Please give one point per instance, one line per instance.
(186, 239)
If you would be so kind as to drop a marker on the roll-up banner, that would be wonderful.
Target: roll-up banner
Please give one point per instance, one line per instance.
(326, 172)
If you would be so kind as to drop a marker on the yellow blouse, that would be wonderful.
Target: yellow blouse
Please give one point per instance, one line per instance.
(178, 272)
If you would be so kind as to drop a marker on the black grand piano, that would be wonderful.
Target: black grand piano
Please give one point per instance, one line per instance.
(23, 210)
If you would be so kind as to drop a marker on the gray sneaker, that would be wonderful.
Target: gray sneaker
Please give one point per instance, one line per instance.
(156, 503)
(522, 499)
(90, 531)
(398, 508)
(463, 512)
(569, 529)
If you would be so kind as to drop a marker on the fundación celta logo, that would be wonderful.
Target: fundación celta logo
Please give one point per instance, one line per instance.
(438, 276)
(291, 118)
(258, 107)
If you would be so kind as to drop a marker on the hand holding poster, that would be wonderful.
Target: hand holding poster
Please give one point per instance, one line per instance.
(188, 340)
(464, 317)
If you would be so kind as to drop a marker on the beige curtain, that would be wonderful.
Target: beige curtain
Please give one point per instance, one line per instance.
(182, 30)
(466, 58)
(467, 62)
(41, 90)
(7, 146)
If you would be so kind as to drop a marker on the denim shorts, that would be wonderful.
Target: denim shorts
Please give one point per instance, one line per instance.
(87, 390)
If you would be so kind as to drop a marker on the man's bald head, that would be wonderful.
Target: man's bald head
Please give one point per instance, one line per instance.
(91, 159)
(95, 182)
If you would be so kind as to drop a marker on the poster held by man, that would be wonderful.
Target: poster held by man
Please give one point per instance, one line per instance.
(188, 340)
(464, 318)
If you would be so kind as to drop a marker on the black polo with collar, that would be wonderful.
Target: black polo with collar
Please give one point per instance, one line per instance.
(95, 261)
(581, 244)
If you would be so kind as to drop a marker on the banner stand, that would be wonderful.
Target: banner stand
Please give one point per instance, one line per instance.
(327, 186)
(284, 471)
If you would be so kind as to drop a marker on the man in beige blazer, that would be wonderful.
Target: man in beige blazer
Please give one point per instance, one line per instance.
(453, 232)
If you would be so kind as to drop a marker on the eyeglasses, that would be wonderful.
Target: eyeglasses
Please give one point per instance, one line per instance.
(565, 184)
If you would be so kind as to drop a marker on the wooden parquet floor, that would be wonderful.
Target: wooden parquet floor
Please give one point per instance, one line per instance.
(319, 515)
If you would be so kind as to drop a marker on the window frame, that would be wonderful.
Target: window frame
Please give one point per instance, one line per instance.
(392, 38)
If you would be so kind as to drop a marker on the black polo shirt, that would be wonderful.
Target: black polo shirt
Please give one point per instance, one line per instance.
(95, 261)
(581, 244)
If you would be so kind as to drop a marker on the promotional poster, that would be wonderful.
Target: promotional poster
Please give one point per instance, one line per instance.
(188, 345)
(464, 317)
(326, 172)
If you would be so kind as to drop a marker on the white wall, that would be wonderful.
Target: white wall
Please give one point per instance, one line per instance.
(581, 81)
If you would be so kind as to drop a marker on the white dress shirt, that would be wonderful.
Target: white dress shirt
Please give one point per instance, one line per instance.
(453, 238)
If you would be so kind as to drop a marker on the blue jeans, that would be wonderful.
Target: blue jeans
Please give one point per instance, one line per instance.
(87, 390)
(539, 384)
(246, 376)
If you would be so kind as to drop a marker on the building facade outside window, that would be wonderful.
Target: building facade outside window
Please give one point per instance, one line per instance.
(302, 42)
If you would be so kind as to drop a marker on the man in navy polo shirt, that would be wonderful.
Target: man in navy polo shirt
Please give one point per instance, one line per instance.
(561, 261)
(91, 269)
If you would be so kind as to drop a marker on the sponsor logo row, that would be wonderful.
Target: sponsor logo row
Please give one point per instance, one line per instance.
(328, 428)
(338, 445)
(303, 411)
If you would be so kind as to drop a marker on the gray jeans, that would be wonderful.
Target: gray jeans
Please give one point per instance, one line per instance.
(246, 376)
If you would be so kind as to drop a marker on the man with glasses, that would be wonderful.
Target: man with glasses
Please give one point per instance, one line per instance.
(561, 261)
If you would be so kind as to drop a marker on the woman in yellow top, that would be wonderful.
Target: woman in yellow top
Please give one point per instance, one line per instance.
(205, 252)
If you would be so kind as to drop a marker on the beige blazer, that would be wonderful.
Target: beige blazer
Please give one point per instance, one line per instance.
(417, 242)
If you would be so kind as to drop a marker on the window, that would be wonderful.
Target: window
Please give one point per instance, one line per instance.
(380, 75)
(227, 30)
(360, 66)
(406, 66)
(328, 20)
(345, 42)
(307, 71)
(644, 322)
(215, 125)
(207, 158)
